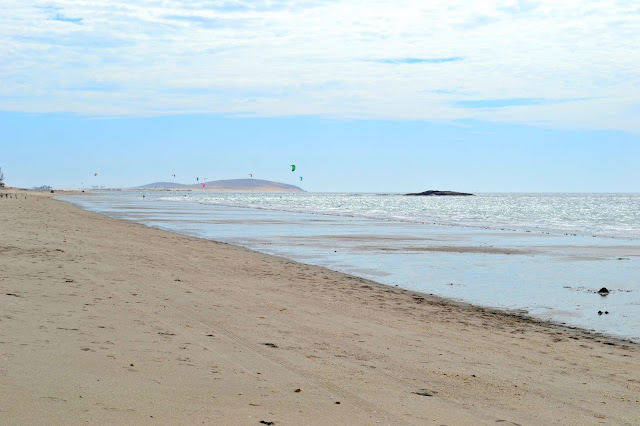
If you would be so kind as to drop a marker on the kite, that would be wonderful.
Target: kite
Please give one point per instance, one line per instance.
(293, 167)
(173, 175)
(197, 178)
(250, 175)
(300, 177)
(95, 174)
(203, 184)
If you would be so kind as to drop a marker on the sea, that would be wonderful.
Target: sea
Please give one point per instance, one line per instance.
(547, 255)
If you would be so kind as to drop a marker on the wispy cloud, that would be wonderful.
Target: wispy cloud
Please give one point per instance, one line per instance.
(209, 21)
(440, 60)
(502, 103)
(417, 60)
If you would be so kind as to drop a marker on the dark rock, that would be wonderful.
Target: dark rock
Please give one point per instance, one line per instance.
(436, 192)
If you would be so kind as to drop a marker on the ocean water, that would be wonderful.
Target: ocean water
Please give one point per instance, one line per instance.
(612, 215)
(546, 254)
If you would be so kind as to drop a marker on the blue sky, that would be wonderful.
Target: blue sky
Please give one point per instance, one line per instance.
(495, 95)
(332, 155)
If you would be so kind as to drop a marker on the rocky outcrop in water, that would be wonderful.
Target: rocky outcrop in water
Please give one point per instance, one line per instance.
(436, 192)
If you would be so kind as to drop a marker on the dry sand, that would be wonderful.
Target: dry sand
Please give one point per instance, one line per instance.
(109, 322)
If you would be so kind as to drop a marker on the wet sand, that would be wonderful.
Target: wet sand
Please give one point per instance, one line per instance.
(106, 321)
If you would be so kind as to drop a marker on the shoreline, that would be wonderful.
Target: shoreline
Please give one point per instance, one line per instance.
(520, 229)
(516, 314)
(553, 285)
(229, 333)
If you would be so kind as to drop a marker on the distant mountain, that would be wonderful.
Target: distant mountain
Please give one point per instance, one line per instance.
(161, 185)
(229, 185)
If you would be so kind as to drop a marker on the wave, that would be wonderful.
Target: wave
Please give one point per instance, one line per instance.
(603, 215)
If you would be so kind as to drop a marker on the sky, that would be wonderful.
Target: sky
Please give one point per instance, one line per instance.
(404, 95)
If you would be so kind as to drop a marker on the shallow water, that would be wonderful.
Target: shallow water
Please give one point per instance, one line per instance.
(609, 215)
(541, 270)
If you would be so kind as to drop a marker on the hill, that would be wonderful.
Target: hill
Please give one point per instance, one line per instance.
(229, 185)
(161, 185)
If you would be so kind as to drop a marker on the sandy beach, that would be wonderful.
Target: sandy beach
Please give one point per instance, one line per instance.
(110, 322)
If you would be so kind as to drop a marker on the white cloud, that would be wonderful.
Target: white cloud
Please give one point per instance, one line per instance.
(270, 58)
